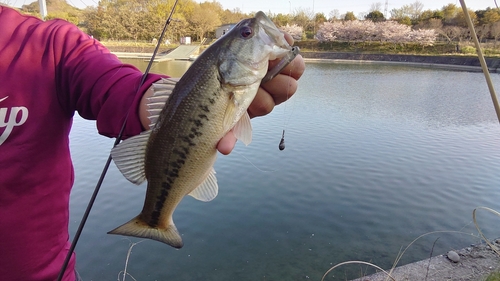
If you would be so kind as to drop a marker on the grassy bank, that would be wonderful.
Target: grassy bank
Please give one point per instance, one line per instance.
(390, 48)
(495, 276)
(438, 49)
(135, 46)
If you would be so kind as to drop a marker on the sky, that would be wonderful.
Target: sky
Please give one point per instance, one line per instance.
(324, 6)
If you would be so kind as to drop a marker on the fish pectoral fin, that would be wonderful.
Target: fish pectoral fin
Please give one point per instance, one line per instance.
(129, 157)
(161, 92)
(138, 228)
(243, 129)
(231, 113)
(208, 190)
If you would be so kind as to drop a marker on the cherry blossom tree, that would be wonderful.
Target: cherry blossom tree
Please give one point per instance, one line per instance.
(366, 31)
(294, 30)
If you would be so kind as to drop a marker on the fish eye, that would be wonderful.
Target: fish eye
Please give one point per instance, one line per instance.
(246, 31)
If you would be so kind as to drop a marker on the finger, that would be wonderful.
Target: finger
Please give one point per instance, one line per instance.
(226, 144)
(262, 104)
(289, 38)
(295, 68)
(281, 88)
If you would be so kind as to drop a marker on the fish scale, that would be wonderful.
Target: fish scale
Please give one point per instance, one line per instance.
(176, 156)
(176, 161)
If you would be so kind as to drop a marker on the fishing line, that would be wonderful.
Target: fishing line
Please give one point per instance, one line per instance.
(281, 145)
(251, 163)
(108, 162)
(124, 271)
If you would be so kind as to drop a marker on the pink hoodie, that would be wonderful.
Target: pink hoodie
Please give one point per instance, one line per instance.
(49, 70)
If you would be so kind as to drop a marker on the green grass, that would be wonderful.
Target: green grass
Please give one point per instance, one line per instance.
(135, 46)
(494, 276)
(438, 49)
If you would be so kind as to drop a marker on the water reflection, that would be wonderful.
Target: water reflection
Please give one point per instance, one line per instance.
(175, 68)
(376, 156)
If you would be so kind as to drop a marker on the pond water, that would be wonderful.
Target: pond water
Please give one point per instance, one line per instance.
(376, 156)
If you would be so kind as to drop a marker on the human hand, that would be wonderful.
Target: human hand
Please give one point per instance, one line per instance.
(270, 94)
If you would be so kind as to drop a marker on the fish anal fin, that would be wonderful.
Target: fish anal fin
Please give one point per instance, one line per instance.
(243, 129)
(129, 157)
(138, 228)
(208, 190)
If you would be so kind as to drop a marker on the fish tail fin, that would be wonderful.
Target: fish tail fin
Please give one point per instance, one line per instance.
(138, 228)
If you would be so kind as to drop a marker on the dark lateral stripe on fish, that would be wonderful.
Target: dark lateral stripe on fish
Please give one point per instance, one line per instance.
(172, 174)
(210, 99)
(160, 200)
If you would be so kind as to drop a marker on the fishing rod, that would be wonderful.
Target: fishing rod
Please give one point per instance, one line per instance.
(108, 162)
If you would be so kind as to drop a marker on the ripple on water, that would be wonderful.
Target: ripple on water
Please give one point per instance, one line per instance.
(375, 157)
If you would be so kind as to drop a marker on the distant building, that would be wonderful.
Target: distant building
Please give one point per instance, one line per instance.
(223, 29)
(185, 40)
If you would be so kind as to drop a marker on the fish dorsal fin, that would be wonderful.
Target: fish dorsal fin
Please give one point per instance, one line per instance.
(208, 190)
(243, 129)
(161, 92)
(130, 154)
(129, 157)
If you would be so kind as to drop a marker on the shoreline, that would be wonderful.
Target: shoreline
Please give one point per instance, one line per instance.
(445, 62)
(452, 67)
(474, 264)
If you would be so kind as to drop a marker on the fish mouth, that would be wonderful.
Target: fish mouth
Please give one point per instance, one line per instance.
(278, 47)
(268, 44)
(287, 59)
(272, 36)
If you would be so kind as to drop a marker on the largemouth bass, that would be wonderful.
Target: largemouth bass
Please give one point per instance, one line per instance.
(177, 154)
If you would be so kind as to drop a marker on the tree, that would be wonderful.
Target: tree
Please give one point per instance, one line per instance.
(412, 11)
(205, 18)
(405, 20)
(350, 16)
(295, 31)
(416, 10)
(281, 19)
(488, 16)
(482, 31)
(495, 31)
(334, 15)
(375, 16)
(460, 18)
(362, 31)
(430, 24)
(157, 12)
(67, 16)
(376, 7)
(429, 14)
(305, 18)
(103, 22)
(327, 32)
(319, 18)
(233, 16)
(453, 33)
(56, 9)
(450, 11)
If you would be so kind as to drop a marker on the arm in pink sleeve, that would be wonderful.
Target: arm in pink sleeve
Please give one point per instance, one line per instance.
(96, 83)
